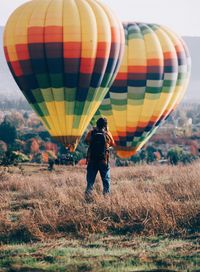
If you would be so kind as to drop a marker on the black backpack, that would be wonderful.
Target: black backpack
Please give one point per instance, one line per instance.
(98, 146)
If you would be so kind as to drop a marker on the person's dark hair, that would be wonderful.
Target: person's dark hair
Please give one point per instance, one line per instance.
(102, 123)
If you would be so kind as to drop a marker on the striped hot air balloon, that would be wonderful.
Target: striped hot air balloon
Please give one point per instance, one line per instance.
(152, 80)
(64, 54)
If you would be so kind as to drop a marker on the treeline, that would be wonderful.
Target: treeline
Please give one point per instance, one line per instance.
(17, 104)
(24, 139)
(151, 155)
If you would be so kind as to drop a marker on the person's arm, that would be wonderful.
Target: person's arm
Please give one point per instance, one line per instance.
(111, 140)
(88, 137)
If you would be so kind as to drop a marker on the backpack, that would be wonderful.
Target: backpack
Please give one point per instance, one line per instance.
(98, 146)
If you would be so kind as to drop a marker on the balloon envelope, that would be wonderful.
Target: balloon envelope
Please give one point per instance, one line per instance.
(152, 80)
(64, 54)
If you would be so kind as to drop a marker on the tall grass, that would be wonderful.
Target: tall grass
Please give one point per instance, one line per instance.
(144, 199)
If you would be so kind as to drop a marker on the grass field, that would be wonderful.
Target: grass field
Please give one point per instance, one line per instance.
(99, 253)
(149, 223)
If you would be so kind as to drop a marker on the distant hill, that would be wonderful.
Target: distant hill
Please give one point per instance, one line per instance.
(9, 88)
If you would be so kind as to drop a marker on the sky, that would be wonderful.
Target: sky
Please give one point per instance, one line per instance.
(183, 16)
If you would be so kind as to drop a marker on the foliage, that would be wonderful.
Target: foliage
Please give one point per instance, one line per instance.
(13, 158)
(34, 147)
(8, 132)
(15, 119)
(150, 151)
(177, 155)
(137, 158)
(29, 137)
(18, 145)
(3, 147)
(44, 135)
(37, 158)
(119, 162)
(26, 115)
(148, 155)
(77, 156)
(174, 155)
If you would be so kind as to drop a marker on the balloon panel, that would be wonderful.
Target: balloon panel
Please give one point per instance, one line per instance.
(63, 56)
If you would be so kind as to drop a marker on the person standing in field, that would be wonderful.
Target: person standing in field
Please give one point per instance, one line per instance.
(99, 140)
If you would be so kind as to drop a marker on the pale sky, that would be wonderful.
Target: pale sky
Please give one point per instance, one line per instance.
(182, 16)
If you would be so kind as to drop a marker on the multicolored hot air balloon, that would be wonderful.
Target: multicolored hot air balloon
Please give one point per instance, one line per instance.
(152, 80)
(64, 54)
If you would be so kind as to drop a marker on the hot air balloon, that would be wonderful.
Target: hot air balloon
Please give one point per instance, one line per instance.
(64, 54)
(151, 82)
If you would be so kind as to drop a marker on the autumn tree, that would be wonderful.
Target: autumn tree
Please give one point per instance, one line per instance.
(15, 119)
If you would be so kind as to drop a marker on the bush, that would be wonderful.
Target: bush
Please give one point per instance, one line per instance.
(178, 155)
(13, 158)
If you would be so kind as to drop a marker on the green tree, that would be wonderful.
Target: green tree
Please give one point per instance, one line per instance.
(8, 132)
(187, 158)
(13, 158)
(136, 158)
(151, 157)
(143, 155)
(174, 155)
(37, 158)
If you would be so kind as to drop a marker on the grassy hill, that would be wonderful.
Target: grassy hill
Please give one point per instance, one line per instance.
(149, 222)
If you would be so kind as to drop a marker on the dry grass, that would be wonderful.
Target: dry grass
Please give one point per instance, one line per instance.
(145, 199)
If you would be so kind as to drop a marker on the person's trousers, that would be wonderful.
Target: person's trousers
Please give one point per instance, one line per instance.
(92, 170)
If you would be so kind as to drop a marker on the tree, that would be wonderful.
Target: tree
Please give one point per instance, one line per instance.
(15, 118)
(13, 158)
(18, 145)
(32, 146)
(37, 158)
(34, 122)
(174, 155)
(25, 115)
(8, 132)
(3, 149)
(49, 146)
(35, 147)
(187, 158)
(143, 155)
(44, 135)
(150, 154)
(136, 159)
